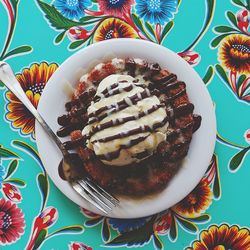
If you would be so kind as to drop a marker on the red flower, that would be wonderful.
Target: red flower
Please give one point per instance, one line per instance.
(43, 221)
(11, 222)
(243, 20)
(247, 136)
(78, 33)
(79, 246)
(191, 57)
(11, 192)
(163, 223)
(116, 8)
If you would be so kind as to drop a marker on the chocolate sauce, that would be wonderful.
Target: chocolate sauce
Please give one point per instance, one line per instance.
(123, 120)
(130, 65)
(74, 144)
(197, 122)
(118, 106)
(115, 154)
(134, 131)
(76, 173)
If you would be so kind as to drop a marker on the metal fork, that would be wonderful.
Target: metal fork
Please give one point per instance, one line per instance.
(85, 187)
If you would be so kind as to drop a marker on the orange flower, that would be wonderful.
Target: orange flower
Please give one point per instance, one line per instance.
(223, 238)
(114, 28)
(196, 202)
(33, 81)
(235, 53)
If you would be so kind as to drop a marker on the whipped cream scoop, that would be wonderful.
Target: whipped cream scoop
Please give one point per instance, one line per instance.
(126, 121)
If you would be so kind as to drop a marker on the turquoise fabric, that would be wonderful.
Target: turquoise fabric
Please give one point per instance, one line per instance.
(212, 36)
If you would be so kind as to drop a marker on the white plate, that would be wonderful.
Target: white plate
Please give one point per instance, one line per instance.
(201, 149)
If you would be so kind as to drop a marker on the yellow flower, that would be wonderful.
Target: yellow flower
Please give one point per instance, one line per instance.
(33, 81)
(235, 53)
(197, 201)
(114, 28)
(223, 238)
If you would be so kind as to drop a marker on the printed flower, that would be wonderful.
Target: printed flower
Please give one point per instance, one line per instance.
(2, 174)
(163, 223)
(78, 33)
(156, 11)
(223, 238)
(11, 222)
(191, 57)
(72, 9)
(243, 20)
(117, 8)
(79, 246)
(126, 225)
(235, 53)
(247, 136)
(114, 28)
(88, 213)
(196, 202)
(12, 192)
(33, 81)
(47, 218)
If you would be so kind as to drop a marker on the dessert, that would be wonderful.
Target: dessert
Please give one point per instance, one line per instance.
(131, 124)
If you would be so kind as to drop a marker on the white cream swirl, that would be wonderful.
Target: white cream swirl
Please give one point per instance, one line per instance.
(117, 98)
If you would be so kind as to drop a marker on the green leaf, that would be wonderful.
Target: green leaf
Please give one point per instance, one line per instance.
(157, 242)
(94, 1)
(12, 168)
(238, 2)
(85, 19)
(173, 231)
(209, 75)
(93, 222)
(60, 37)
(237, 159)
(217, 40)
(232, 18)
(14, 3)
(18, 50)
(216, 184)
(188, 225)
(248, 5)
(105, 230)
(17, 181)
(200, 219)
(76, 44)
(136, 237)
(224, 29)
(150, 29)
(166, 30)
(137, 22)
(55, 18)
(241, 79)
(68, 229)
(1, 84)
(40, 238)
(179, 2)
(44, 186)
(222, 73)
(28, 148)
(6, 153)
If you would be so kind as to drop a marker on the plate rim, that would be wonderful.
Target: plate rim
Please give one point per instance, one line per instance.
(82, 51)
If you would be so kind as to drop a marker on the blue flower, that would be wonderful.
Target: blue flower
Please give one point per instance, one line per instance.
(72, 9)
(156, 11)
(2, 174)
(126, 225)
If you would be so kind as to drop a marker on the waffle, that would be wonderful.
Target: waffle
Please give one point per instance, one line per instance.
(153, 173)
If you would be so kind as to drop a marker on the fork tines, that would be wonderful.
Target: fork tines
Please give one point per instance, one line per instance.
(95, 194)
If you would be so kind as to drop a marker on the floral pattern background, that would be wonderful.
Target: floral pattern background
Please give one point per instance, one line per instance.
(214, 37)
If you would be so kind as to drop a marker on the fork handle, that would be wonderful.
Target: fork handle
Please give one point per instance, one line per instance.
(9, 80)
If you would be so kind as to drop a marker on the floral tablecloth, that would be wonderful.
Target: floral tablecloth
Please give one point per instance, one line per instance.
(36, 36)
